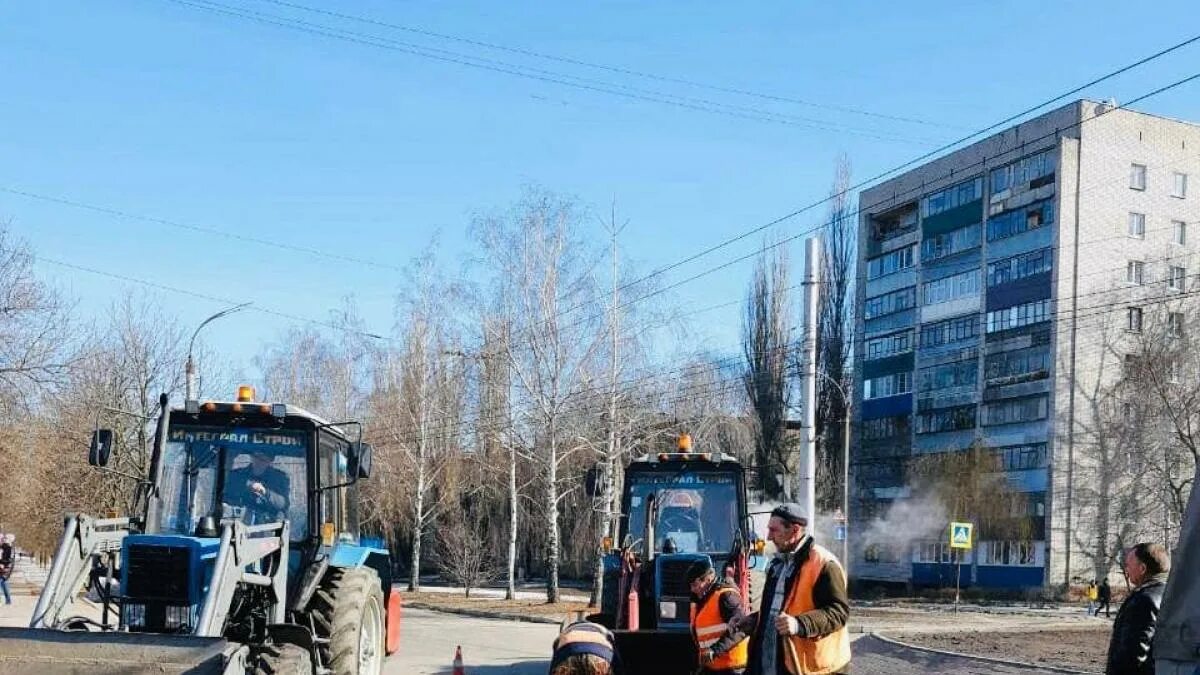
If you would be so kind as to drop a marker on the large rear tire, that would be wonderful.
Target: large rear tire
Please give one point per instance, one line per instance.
(283, 659)
(348, 611)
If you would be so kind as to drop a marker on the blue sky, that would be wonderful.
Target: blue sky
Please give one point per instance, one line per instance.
(167, 111)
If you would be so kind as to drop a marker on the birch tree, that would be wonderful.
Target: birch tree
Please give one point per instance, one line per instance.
(541, 270)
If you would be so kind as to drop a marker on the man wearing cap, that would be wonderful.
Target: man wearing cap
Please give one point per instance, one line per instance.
(582, 648)
(800, 627)
(717, 615)
(263, 489)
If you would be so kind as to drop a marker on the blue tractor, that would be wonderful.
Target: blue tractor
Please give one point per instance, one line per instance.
(243, 554)
(676, 508)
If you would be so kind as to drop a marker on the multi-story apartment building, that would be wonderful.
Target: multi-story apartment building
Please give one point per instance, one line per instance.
(988, 279)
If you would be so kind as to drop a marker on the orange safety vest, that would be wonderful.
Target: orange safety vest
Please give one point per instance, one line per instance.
(708, 628)
(819, 655)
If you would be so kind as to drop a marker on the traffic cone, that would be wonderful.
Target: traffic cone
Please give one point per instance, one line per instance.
(458, 666)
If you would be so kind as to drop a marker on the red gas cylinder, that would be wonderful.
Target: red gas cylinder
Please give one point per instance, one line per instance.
(393, 622)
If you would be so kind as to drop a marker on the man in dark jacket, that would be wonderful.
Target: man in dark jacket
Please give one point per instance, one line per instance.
(719, 631)
(1105, 598)
(1146, 566)
(261, 488)
(782, 635)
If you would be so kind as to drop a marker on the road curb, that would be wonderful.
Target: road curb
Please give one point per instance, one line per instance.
(483, 613)
(1003, 662)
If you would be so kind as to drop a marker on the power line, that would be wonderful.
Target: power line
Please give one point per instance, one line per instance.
(861, 184)
(613, 69)
(203, 229)
(539, 74)
(212, 298)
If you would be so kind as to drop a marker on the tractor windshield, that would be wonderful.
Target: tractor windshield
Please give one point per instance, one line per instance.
(255, 475)
(697, 510)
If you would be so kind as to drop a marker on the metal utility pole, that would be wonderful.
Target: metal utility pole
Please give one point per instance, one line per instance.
(845, 470)
(807, 493)
(189, 368)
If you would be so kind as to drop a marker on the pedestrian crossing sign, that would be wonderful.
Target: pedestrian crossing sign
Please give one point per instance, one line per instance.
(960, 535)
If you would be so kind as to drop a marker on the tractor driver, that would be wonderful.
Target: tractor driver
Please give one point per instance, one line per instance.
(260, 487)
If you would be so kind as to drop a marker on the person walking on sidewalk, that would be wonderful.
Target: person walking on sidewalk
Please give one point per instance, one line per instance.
(7, 562)
(1105, 597)
(1093, 594)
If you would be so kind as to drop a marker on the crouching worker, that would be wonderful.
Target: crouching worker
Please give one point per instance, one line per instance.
(717, 615)
(582, 648)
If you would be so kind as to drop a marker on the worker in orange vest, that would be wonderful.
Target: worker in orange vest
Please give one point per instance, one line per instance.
(582, 648)
(800, 627)
(717, 617)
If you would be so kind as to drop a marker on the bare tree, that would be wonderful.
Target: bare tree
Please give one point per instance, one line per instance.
(766, 342)
(460, 557)
(34, 351)
(541, 271)
(835, 338)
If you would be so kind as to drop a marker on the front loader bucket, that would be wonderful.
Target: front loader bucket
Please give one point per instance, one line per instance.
(655, 652)
(32, 651)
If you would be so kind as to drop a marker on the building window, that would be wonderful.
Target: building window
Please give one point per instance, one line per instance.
(889, 345)
(1137, 225)
(1137, 176)
(885, 428)
(1133, 322)
(952, 197)
(1175, 324)
(950, 331)
(1135, 272)
(888, 263)
(1180, 232)
(947, 419)
(939, 553)
(1022, 457)
(1179, 185)
(890, 303)
(948, 376)
(1011, 223)
(1008, 553)
(1178, 278)
(887, 385)
(1019, 365)
(950, 243)
(1020, 315)
(1023, 172)
(1019, 267)
(1015, 411)
(950, 288)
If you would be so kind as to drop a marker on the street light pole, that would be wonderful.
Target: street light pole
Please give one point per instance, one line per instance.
(189, 369)
(845, 470)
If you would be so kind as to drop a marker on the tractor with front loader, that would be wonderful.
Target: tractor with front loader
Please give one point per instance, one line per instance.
(241, 554)
(676, 508)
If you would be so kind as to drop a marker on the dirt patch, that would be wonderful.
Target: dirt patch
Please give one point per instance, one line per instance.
(534, 608)
(1077, 649)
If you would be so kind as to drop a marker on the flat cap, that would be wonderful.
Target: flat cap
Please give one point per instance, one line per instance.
(791, 513)
(698, 569)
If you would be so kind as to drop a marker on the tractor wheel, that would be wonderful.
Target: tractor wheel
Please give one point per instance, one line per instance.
(347, 610)
(284, 659)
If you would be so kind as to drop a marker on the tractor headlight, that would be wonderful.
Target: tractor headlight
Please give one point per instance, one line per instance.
(666, 609)
(178, 618)
(134, 615)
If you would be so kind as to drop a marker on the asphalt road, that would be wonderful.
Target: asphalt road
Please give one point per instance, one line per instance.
(490, 647)
(495, 647)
